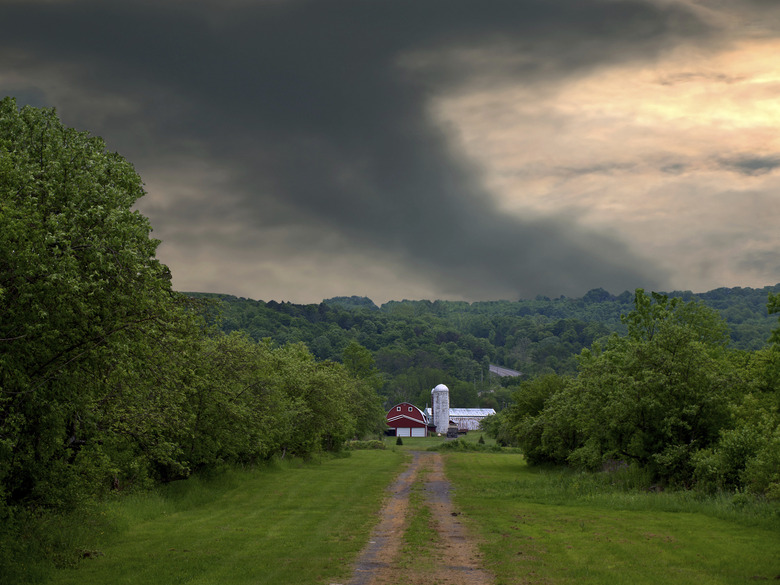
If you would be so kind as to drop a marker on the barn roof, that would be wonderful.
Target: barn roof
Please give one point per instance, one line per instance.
(467, 412)
(480, 412)
(406, 411)
(504, 372)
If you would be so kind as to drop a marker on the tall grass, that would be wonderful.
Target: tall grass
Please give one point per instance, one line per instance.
(35, 543)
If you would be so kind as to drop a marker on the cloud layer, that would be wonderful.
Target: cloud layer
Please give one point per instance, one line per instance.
(300, 149)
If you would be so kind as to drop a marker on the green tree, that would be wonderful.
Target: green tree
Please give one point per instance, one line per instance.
(659, 394)
(747, 454)
(654, 397)
(83, 301)
(543, 429)
(360, 363)
(367, 380)
(236, 409)
(773, 306)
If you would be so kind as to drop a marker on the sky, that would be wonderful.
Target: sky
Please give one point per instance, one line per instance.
(296, 150)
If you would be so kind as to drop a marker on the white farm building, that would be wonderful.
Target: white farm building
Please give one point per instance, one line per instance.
(441, 415)
(406, 420)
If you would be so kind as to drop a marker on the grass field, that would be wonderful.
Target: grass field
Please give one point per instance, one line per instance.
(300, 524)
(552, 526)
(424, 443)
(306, 523)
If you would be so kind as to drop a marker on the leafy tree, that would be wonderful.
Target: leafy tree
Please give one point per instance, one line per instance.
(747, 456)
(367, 381)
(141, 415)
(83, 301)
(654, 397)
(462, 395)
(235, 413)
(658, 395)
(773, 306)
(547, 437)
(360, 363)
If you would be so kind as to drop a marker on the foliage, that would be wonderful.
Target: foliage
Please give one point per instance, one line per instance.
(89, 318)
(418, 344)
(747, 455)
(109, 380)
(773, 306)
(366, 445)
(253, 401)
(654, 397)
(658, 395)
(463, 445)
(548, 439)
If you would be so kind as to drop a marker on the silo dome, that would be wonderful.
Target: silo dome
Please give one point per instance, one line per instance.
(440, 388)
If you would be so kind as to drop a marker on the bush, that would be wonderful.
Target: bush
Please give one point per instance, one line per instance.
(463, 445)
(365, 445)
(762, 472)
(399, 441)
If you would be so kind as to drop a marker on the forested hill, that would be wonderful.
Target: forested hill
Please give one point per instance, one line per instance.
(417, 344)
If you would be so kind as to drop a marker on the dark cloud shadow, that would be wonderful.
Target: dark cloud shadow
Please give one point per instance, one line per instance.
(750, 165)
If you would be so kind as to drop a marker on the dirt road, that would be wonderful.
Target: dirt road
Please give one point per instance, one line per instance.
(454, 558)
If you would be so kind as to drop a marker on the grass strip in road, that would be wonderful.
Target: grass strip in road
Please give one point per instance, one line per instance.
(296, 524)
(559, 527)
(420, 537)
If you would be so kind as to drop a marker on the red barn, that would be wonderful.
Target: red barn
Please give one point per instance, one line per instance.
(407, 420)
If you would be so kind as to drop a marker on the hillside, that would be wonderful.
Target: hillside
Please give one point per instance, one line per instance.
(418, 344)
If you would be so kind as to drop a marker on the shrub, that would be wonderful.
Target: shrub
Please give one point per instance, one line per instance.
(762, 472)
(365, 445)
(463, 445)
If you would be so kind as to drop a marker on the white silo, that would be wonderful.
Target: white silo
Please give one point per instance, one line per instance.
(440, 397)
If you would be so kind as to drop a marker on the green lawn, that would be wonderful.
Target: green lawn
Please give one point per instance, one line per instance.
(296, 525)
(306, 523)
(560, 527)
(425, 443)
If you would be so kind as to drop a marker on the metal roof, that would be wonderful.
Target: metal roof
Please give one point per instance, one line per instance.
(466, 412)
(503, 372)
(482, 412)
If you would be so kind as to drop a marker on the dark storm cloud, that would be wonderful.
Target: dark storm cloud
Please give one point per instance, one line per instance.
(320, 110)
(765, 261)
(751, 165)
(596, 169)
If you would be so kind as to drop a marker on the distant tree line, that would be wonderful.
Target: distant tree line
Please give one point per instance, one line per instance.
(418, 344)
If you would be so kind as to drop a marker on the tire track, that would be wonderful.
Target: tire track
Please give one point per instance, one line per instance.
(455, 559)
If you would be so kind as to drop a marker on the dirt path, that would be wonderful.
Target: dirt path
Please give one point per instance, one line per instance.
(454, 558)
